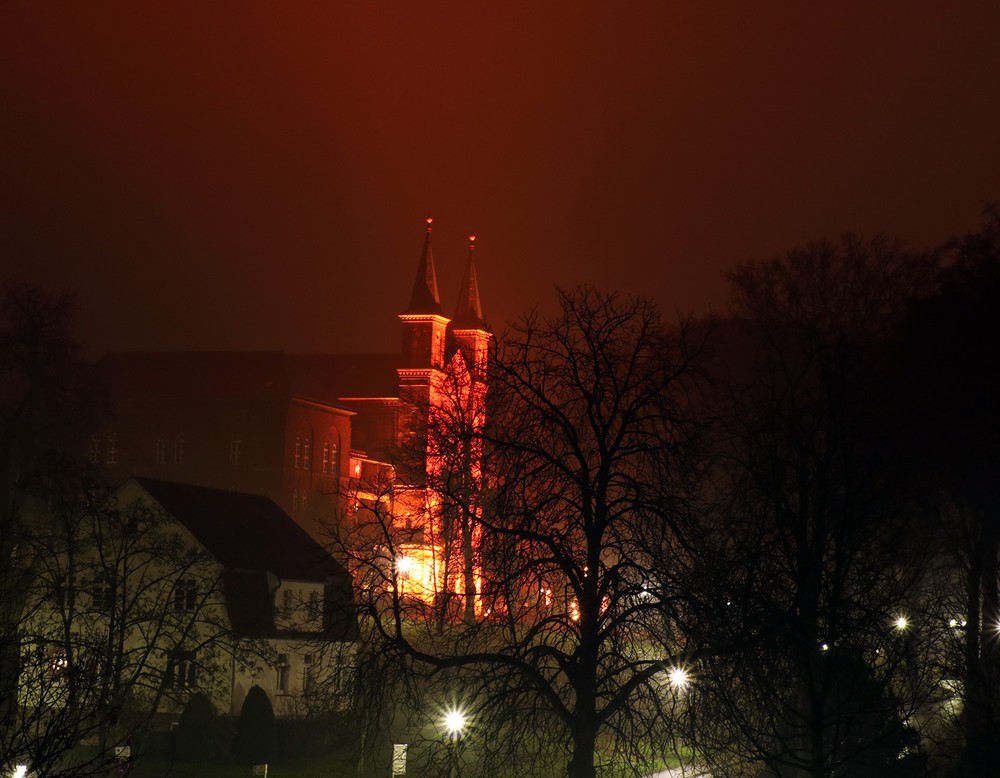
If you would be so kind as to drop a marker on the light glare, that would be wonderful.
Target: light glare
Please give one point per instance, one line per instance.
(454, 721)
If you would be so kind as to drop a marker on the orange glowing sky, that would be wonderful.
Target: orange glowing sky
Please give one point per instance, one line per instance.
(255, 175)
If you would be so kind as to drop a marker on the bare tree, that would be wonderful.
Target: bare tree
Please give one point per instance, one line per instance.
(122, 619)
(816, 602)
(576, 536)
(946, 402)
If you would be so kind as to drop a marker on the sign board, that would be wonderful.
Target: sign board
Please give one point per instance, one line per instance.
(399, 758)
(123, 752)
(260, 769)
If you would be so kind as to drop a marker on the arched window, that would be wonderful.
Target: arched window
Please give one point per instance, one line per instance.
(326, 458)
(298, 453)
(307, 454)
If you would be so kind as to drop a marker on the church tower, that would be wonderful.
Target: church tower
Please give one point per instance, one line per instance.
(424, 324)
(468, 328)
(425, 329)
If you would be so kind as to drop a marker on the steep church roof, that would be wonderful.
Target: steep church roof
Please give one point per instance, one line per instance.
(425, 299)
(469, 311)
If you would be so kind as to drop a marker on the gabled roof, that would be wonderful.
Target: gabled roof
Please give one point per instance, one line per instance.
(320, 378)
(425, 300)
(336, 376)
(195, 373)
(258, 544)
(245, 531)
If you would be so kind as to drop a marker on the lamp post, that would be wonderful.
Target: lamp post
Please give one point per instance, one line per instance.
(454, 724)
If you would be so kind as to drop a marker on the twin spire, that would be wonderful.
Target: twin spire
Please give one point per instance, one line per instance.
(426, 300)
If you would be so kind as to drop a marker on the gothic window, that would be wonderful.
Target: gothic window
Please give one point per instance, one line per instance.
(307, 454)
(161, 451)
(179, 452)
(297, 461)
(235, 450)
(326, 458)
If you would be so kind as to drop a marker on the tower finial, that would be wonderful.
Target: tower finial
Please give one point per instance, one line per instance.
(430, 223)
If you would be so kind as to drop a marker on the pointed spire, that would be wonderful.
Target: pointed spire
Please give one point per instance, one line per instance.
(469, 311)
(425, 298)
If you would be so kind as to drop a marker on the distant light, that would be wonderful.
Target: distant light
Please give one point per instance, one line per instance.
(902, 623)
(20, 771)
(404, 564)
(472, 239)
(679, 678)
(824, 647)
(953, 623)
(454, 721)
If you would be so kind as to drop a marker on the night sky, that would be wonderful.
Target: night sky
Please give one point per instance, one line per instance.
(244, 175)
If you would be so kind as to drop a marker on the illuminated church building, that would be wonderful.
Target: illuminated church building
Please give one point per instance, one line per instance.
(325, 436)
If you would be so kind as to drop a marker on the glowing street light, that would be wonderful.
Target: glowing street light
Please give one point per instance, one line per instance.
(679, 678)
(902, 623)
(454, 722)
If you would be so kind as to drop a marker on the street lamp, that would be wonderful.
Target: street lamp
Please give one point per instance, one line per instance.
(454, 724)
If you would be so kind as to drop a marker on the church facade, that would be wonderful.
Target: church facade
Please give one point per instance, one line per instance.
(330, 438)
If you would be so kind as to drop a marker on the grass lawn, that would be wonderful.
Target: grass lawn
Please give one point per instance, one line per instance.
(302, 768)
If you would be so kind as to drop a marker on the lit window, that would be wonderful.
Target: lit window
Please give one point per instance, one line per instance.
(333, 459)
(179, 443)
(287, 599)
(297, 462)
(161, 451)
(94, 452)
(111, 453)
(281, 682)
(181, 672)
(235, 449)
(326, 458)
(307, 454)
(57, 664)
(186, 596)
